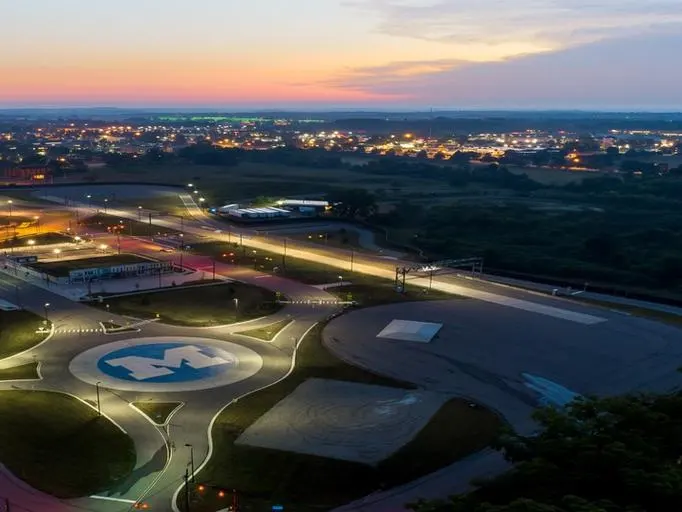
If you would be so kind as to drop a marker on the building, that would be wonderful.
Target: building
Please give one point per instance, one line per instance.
(145, 268)
(267, 212)
(26, 173)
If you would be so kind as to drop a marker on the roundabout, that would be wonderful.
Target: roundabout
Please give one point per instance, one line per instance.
(166, 364)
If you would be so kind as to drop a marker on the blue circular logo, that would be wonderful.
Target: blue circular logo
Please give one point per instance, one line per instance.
(166, 362)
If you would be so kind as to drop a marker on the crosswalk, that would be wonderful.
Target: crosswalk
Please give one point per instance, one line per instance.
(79, 331)
(318, 302)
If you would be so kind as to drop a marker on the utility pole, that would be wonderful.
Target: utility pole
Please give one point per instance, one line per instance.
(213, 269)
(284, 256)
(352, 257)
(150, 225)
(187, 490)
(191, 458)
(99, 407)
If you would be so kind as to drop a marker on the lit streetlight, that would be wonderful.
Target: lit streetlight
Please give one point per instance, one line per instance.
(45, 308)
(9, 204)
(57, 251)
(31, 242)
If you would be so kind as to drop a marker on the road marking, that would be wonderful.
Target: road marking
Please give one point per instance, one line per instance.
(107, 498)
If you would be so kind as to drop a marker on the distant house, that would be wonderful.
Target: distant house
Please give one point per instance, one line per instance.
(26, 173)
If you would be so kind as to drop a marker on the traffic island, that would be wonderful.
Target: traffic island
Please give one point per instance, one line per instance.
(20, 330)
(22, 372)
(269, 476)
(267, 332)
(158, 412)
(60, 446)
(197, 306)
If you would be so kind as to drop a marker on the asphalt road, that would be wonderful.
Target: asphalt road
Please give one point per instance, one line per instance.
(156, 477)
(482, 349)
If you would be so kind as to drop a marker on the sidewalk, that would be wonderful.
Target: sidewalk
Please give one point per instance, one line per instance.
(81, 291)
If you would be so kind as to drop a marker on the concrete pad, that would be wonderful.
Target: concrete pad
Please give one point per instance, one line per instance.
(407, 330)
(344, 420)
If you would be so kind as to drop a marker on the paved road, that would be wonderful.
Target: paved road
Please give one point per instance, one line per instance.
(550, 328)
(484, 351)
(155, 477)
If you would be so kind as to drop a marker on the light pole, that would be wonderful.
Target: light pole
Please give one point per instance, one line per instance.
(37, 219)
(9, 204)
(105, 205)
(236, 306)
(191, 459)
(139, 213)
(340, 280)
(99, 406)
(89, 200)
(352, 258)
(47, 317)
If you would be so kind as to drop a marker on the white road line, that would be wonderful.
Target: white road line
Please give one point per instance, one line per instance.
(107, 498)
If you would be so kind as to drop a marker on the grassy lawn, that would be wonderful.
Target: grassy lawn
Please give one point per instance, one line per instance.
(267, 332)
(22, 372)
(101, 222)
(197, 306)
(39, 239)
(62, 268)
(18, 332)
(371, 291)
(306, 483)
(300, 270)
(158, 412)
(50, 441)
(339, 238)
(651, 314)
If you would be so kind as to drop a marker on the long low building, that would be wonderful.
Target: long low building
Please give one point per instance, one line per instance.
(267, 212)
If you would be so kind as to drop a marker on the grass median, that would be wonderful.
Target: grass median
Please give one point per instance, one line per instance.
(60, 446)
(305, 483)
(267, 332)
(197, 306)
(27, 371)
(18, 332)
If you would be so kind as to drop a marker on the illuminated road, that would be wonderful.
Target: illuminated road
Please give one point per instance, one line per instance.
(191, 423)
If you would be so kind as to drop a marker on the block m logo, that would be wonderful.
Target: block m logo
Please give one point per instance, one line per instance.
(143, 368)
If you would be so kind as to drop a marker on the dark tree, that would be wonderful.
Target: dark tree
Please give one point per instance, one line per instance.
(621, 454)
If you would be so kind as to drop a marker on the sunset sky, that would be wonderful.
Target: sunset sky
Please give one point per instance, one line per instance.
(564, 54)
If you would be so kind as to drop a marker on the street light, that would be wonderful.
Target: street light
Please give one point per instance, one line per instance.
(139, 213)
(45, 306)
(99, 407)
(37, 219)
(105, 205)
(191, 458)
(57, 251)
(31, 242)
(89, 200)
(9, 204)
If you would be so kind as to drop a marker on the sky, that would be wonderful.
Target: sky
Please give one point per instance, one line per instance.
(330, 54)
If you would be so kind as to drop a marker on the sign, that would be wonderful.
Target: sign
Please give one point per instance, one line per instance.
(165, 362)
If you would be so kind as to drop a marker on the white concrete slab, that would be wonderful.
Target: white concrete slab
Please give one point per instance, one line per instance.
(408, 330)
(344, 420)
